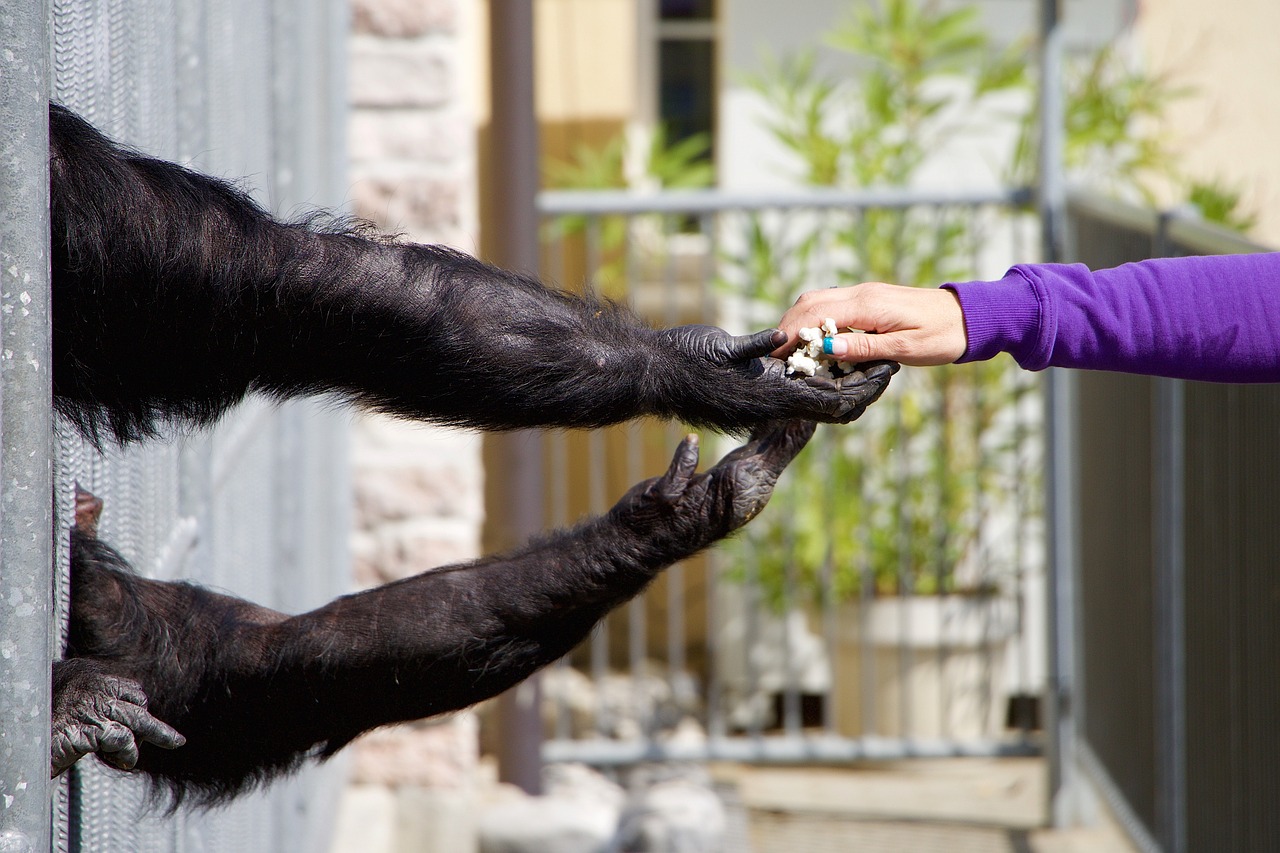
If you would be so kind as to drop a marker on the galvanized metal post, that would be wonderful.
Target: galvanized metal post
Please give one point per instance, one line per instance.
(26, 523)
(513, 171)
(1169, 472)
(1060, 501)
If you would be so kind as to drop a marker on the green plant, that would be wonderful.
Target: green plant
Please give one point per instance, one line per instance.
(1116, 139)
(908, 481)
(1220, 203)
(683, 164)
(1114, 136)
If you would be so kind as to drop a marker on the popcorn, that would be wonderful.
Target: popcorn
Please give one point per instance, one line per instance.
(809, 359)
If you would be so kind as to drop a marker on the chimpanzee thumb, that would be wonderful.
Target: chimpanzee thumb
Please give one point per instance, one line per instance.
(758, 345)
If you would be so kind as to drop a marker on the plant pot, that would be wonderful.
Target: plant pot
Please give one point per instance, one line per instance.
(923, 666)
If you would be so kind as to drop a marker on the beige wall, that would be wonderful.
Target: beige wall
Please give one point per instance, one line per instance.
(1229, 51)
(586, 60)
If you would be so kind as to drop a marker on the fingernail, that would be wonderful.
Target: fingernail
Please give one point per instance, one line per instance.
(834, 346)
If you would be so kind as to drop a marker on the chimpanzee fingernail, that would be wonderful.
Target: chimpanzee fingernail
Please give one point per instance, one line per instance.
(834, 346)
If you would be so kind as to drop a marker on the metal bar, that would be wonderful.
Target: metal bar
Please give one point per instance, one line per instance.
(1094, 771)
(27, 633)
(1052, 117)
(1169, 447)
(696, 202)
(514, 244)
(1064, 808)
(779, 750)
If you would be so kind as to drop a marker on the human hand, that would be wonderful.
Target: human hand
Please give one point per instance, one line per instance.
(911, 325)
(730, 381)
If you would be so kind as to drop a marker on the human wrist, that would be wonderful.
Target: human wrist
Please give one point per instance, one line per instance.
(999, 316)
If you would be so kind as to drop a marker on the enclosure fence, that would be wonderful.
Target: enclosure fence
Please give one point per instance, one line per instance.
(889, 601)
(257, 506)
(1176, 620)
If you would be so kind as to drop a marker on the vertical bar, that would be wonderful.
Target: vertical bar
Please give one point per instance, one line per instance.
(709, 225)
(514, 171)
(829, 447)
(1169, 446)
(675, 575)
(1060, 477)
(596, 487)
(26, 515)
(1052, 117)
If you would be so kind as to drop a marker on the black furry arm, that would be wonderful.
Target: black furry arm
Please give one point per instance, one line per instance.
(175, 295)
(254, 692)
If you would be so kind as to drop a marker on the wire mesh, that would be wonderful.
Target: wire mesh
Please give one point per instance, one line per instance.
(256, 506)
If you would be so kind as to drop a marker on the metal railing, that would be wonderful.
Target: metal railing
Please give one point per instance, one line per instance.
(1174, 626)
(257, 506)
(883, 637)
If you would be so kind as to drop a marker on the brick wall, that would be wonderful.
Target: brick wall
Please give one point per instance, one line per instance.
(418, 490)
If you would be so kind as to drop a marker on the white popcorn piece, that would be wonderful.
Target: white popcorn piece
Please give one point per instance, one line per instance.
(798, 362)
(809, 359)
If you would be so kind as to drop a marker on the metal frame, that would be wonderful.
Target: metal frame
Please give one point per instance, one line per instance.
(26, 520)
(155, 75)
(710, 214)
(1171, 233)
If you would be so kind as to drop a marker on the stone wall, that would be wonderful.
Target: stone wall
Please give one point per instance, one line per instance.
(418, 490)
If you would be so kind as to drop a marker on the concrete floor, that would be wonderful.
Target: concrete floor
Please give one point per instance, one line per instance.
(949, 806)
(965, 805)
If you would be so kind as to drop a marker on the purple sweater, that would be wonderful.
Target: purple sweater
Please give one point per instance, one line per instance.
(1214, 318)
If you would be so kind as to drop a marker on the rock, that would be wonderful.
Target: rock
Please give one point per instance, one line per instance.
(578, 814)
(680, 814)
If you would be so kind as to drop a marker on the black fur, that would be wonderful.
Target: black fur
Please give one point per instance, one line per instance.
(255, 692)
(174, 296)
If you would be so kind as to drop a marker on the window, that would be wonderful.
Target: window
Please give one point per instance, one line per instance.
(685, 54)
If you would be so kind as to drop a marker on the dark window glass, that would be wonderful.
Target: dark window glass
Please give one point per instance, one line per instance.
(686, 87)
(700, 10)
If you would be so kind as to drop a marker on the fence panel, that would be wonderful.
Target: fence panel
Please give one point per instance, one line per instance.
(25, 386)
(258, 505)
(886, 603)
(1177, 591)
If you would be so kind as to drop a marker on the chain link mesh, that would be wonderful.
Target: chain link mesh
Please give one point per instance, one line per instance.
(255, 507)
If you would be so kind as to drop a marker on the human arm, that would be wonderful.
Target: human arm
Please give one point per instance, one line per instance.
(175, 295)
(1212, 318)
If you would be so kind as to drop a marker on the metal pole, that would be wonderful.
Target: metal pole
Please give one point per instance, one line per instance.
(513, 219)
(26, 522)
(1169, 487)
(1061, 699)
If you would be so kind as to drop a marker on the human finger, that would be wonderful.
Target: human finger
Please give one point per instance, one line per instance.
(850, 307)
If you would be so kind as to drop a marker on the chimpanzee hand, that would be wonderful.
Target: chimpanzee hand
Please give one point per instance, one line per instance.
(97, 712)
(683, 511)
(729, 368)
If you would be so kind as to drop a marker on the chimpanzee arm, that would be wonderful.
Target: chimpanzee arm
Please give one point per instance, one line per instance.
(255, 692)
(175, 295)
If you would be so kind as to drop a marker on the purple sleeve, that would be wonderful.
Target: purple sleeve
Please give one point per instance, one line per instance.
(1213, 318)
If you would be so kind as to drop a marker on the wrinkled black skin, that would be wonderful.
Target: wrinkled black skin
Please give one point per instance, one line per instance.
(255, 692)
(174, 296)
(204, 297)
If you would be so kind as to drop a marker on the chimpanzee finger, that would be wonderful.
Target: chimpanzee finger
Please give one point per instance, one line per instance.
(147, 728)
(116, 746)
(684, 463)
(783, 441)
(847, 397)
